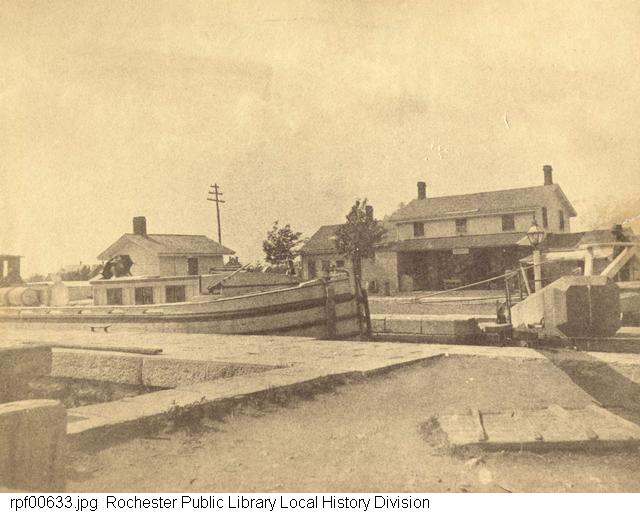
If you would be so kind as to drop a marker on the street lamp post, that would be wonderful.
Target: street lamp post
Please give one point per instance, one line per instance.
(536, 236)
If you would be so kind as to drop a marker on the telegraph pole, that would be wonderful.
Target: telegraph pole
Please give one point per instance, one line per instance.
(215, 191)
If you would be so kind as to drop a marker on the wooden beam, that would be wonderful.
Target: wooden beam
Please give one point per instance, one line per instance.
(526, 281)
(617, 264)
(588, 261)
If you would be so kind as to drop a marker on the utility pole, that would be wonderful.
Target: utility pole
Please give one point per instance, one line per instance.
(216, 192)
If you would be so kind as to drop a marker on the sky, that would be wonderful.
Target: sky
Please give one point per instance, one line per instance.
(115, 109)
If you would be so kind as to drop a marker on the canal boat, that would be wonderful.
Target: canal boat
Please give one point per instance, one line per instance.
(321, 308)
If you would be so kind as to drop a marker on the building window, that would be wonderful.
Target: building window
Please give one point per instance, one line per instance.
(545, 218)
(114, 296)
(312, 269)
(461, 225)
(144, 295)
(326, 265)
(192, 266)
(340, 264)
(175, 294)
(418, 230)
(508, 222)
(561, 219)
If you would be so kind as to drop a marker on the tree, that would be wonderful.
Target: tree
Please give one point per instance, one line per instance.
(280, 245)
(255, 267)
(357, 238)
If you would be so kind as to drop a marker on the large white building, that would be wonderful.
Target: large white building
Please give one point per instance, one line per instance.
(434, 243)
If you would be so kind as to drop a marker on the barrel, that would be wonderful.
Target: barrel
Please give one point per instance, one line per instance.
(18, 296)
(3, 296)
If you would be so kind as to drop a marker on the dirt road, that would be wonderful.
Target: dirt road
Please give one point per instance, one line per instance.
(366, 436)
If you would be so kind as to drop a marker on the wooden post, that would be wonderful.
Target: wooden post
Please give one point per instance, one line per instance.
(508, 292)
(537, 269)
(367, 313)
(520, 290)
(588, 261)
(330, 309)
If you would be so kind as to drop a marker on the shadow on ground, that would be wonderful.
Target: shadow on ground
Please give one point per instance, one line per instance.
(606, 385)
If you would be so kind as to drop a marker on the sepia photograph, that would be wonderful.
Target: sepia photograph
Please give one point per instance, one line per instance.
(318, 247)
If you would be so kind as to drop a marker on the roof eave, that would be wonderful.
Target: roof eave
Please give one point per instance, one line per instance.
(572, 211)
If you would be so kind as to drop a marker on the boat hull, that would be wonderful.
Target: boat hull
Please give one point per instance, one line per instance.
(316, 309)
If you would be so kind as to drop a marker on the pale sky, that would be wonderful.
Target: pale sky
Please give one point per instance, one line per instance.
(114, 109)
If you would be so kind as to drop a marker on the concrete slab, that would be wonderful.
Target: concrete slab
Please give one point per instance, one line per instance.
(540, 430)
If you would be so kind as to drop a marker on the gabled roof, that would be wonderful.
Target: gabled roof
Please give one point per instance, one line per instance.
(482, 203)
(169, 244)
(322, 242)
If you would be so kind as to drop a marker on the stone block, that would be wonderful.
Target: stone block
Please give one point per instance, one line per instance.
(95, 365)
(18, 365)
(403, 324)
(378, 324)
(172, 372)
(32, 445)
(572, 306)
(441, 325)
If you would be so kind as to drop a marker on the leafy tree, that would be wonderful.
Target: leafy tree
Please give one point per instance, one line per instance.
(357, 238)
(280, 245)
(255, 267)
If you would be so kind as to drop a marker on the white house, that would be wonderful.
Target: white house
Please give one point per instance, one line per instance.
(167, 254)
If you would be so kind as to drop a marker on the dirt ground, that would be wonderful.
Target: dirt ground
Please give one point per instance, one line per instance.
(368, 436)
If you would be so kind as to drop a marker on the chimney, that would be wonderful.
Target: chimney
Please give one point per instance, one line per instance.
(548, 174)
(140, 226)
(422, 191)
(369, 211)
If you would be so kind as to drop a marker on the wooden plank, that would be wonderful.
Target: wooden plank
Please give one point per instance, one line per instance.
(618, 263)
(550, 428)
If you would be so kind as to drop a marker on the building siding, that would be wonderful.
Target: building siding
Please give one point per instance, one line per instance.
(178, 265)
(478, 225)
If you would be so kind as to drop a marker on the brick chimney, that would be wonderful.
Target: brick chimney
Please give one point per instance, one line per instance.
(140, 226)
(368, 211)
(422, 191)
(548, 174)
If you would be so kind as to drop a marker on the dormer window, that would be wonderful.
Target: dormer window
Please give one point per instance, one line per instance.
(418, 230)
(461, 225)
(508, 222)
